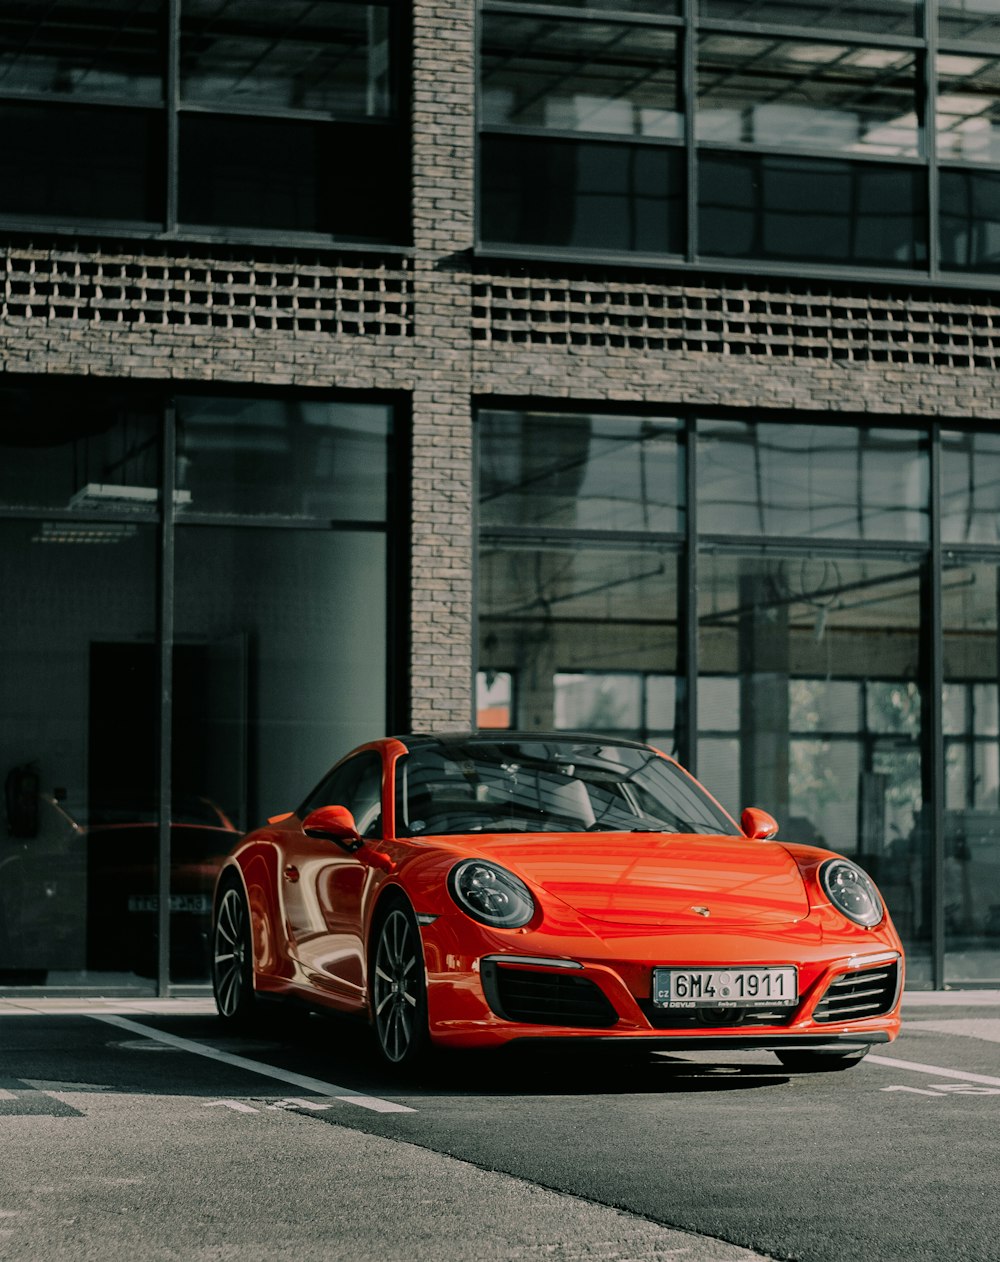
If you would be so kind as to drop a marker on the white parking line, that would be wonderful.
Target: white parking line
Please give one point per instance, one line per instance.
(328, 1089)
(917, 1068)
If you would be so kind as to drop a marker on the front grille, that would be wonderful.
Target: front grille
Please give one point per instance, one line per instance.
(865, 992)
(537, 998)
(713, 1018)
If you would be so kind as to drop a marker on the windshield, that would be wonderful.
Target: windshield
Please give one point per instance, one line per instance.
(497, 786)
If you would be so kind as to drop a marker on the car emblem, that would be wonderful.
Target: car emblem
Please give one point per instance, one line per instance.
(702, 911)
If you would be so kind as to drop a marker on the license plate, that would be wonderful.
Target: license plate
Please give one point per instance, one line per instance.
(724, 987)
(200, 904)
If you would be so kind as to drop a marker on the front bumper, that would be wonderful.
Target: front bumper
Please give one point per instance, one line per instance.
(849, 995)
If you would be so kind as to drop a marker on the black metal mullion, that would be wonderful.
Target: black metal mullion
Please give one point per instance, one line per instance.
(689, 79)
(687, 739)
(930, 139)
(172, 95)
(165, 637)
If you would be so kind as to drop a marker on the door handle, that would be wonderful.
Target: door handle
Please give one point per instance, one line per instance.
(291, 873)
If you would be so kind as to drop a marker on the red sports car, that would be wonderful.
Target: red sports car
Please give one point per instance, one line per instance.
(468, 890)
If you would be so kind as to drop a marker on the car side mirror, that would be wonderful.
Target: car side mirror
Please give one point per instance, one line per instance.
(757, 824)
(333, 823)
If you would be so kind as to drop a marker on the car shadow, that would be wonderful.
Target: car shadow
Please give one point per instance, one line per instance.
(344, 1051)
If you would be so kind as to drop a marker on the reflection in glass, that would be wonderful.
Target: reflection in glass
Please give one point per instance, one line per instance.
(594, 472)
(318, 55)
(812, 480)
(77, 447)
(788, 94)
(291, 457)
(83, 49)
(811, 209)
(281, 669)
(579, 76)
(970, 487)
(582, 193)
(970, 220)
(898, 17)
(78, 725)
(972, 750)
(826, 710)
(494, 699)
(969, 19)
(590, 633)
(968, 108)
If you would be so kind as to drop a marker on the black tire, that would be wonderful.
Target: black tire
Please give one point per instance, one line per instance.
(232, 958)
(398, 988)
(801, 1062)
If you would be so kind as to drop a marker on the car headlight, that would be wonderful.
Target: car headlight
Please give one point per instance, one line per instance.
(852, 892)
(491, 894)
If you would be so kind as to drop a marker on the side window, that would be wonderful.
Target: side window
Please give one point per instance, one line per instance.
(366, 805)
(356, 784)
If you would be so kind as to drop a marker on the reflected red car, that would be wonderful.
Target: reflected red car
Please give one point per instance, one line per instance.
(470, 890)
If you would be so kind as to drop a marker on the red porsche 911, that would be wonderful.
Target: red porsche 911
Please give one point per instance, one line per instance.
(469, 890)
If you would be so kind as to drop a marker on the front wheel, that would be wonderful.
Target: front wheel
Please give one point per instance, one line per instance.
(820, 1062)
(232, 959)
(399, 991)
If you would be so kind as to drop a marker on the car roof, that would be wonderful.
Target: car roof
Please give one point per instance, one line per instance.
(494, 736)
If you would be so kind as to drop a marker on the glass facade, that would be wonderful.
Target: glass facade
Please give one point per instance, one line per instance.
(205, 117)
(173, 679)
(843, 135)
(787, 633)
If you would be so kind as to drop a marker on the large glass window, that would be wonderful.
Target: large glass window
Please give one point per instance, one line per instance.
(579, 78)
(788, 651)
(289, 117)
(278, 626)
(970, 220)
(298, 133)
(821, 723)
(574, 625)
(812, 125)
(816, 481)
(794, 95)
(283, 457)
(769, 207)
(972, 759)
(79, 476)
(592, 472)
(900, 17)
(970, 487)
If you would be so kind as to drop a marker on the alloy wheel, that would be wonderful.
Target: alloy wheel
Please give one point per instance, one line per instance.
(398, 990)
(231, 956)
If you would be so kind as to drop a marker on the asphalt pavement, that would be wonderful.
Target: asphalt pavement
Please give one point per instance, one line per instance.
(142, 1130)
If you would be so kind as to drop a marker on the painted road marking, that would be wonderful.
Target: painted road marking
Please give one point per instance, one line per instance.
(278, 1106)
(328, 1089)
(952, 1088)
(917, 1068)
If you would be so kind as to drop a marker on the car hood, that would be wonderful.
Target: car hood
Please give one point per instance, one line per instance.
(659, 879)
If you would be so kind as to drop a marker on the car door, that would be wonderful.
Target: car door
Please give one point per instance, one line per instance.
(324, 885)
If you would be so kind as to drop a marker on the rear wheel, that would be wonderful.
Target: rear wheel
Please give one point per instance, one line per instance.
(801, 1062)
(398, 989)
(232, 958)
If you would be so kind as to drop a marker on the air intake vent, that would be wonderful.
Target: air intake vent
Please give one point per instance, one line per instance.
(865, 992)
(537, 998)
